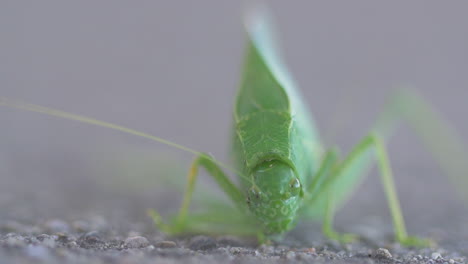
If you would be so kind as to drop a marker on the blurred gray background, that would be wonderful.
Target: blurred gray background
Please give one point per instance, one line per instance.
(171, 68)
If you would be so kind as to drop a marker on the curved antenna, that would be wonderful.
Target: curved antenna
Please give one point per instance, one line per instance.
(62, 114)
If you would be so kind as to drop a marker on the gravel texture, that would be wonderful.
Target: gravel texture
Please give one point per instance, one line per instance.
(87, 220)
(60, 241)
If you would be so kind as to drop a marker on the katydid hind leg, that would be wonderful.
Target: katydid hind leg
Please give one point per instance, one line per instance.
(327, 225)
(438, 135)
(371, 144)
(182, 219)
(320, 200)
(316, 204)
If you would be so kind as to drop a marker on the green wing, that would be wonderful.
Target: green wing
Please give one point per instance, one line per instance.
(269, 117)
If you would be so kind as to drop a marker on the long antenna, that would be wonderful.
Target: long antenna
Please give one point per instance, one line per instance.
(62, 114)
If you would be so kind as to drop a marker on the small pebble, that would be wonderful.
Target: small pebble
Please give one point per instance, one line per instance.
(92, 236)
(64, 238)
(267, 249)
(90, 240)
(136, 242)
(309, 250)
(235, 250)
(202, 243)
(291, 255)
(382, 253)
(166, 244)
(46, 240)
(436, 255)
(72, 244)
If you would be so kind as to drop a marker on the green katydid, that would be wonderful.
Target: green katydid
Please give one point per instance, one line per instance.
(284, 170)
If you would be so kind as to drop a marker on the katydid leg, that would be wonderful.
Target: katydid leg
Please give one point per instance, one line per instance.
(226, 221)
(436, 133)
(233, 192)
(370, 144)
(319, 186)
(327, 226)
(315, 188)
(326, 166)
(316, 185)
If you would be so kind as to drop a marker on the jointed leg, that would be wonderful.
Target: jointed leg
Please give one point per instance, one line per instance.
(437, 134)
(227, 220)
(329, 161)
(319, 186)
(180, 223)
(363, 149)
(327, 226)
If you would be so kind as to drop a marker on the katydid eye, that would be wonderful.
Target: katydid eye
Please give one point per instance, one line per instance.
(294, 183)
(295, 186)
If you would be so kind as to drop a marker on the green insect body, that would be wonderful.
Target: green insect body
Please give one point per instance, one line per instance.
(273, 138)
(285, 174)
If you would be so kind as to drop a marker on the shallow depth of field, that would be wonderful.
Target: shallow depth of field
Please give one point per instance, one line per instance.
(70, 192)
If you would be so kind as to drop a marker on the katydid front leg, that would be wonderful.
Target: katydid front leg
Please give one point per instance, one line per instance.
(233, 192)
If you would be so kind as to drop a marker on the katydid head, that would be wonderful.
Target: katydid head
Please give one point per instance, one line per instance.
(275, 196)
